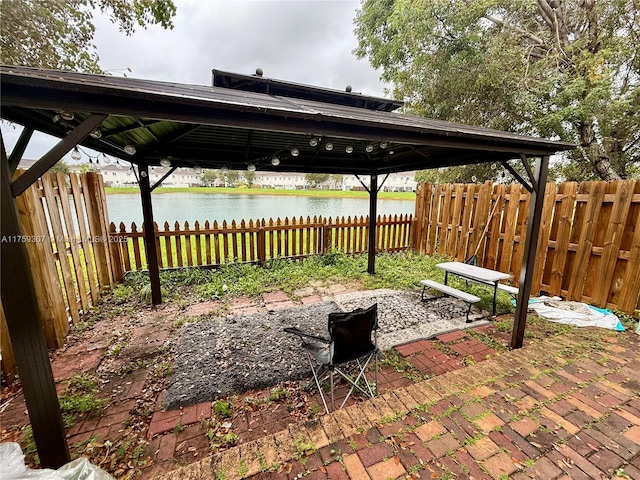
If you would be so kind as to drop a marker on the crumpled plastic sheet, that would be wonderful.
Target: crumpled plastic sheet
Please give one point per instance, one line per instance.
(575, 313)
(13, 467)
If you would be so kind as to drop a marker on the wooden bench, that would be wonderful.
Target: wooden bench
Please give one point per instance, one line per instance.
(452, 292)
(513, 291)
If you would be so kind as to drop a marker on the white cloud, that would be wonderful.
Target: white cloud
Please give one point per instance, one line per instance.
(307, 42)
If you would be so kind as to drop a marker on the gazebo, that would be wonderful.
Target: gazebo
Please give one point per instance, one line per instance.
(240, 122)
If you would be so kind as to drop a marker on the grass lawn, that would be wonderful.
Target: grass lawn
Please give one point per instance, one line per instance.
(268, 191)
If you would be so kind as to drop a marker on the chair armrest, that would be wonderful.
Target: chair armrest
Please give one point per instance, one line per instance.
(300, 333)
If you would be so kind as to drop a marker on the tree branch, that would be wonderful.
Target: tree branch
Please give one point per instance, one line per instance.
(524, 33)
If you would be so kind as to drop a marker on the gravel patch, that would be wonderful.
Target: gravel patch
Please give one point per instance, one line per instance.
(239, 353)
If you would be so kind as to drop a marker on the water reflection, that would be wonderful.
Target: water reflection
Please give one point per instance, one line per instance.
(190, 207)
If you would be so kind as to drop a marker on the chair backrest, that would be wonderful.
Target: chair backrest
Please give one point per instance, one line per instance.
(351, 333)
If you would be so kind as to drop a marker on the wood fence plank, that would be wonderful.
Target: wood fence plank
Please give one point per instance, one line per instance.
(505, 249)
(445, 218)
(493, 233)
(53, 312)
(73, 241)
(76, 190)
(468, 195)
(216, 244)
(188, 247)
(125, 248)
(628, 296)
(480, 218)
(61, 246)
(434, 215)
(95, 207)
(9, 367)
(560, 233)
(207, 242)
(168, 238)
(519, 237)
(585, 243)
(178, 236)
(543, 239)
(613, 237)
(455, 222)
(198, 242)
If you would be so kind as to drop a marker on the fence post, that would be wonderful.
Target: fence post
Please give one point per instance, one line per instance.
(262, 246)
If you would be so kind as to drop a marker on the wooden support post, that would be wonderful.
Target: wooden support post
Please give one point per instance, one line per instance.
(530, 247)
(150, 236)
(20, 305)
(373, 214)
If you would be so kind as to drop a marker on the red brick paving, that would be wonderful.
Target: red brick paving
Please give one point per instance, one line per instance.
(579, 418)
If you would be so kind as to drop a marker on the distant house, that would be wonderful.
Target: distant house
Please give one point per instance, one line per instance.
(121, 175)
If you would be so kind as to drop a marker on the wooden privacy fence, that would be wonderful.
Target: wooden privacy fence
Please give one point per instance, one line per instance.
(589, 244)
(65, 225)
(257, 241)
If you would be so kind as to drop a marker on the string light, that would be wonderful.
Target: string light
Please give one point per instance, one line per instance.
(75, 154)
(349, 149)
(130, 149)
(369, 148)
(165, 162)
(275, 161)
(251, 167)
(295, 152)
(383, 144)
(313, 142)
(328, 146)
(97, 133)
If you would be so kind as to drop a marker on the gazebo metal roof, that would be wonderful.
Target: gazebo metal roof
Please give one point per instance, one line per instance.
(216, 127)
(241, 120)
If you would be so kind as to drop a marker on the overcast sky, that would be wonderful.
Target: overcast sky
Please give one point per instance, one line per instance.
(302, 41)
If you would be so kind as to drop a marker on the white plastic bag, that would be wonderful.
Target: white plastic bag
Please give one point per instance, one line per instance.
(13, 467)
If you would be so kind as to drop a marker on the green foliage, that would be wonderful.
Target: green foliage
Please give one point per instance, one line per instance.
(568, 70)
(313, 180)
(209, 177)
(60, 167)
(58, 34)
(222, 408)
(80, 397)
(249, 177)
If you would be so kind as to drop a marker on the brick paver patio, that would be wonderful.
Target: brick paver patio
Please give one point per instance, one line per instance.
(566, 407)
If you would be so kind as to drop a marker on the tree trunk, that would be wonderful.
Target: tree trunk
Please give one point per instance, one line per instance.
(596, 154)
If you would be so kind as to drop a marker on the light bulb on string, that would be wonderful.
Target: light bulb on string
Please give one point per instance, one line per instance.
(313, 142)
(251, 167)
(328, 146)
(275, 161)
(75, 154)
(383, 144)
(130, 149)
(349, 149)
(369, 148)
(295, 152)
(165, 162)
(105, 159)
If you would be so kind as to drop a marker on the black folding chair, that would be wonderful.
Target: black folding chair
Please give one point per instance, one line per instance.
(352, 344)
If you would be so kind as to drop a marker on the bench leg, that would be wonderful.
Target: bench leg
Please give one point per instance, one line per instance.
(468, 312)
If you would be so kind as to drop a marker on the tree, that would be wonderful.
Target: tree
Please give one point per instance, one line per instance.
(60, 167)
(561, 69)
(58, 34)
(209, 177)
(249, 177)
(231, 178)
(315, 179)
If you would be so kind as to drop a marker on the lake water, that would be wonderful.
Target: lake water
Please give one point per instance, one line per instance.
(190, 207)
